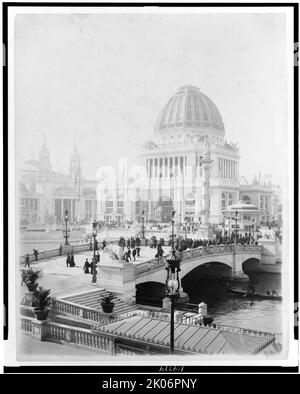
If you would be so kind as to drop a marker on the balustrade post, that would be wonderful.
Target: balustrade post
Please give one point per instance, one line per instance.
(112, 346)
(69, 335)
(39, 329)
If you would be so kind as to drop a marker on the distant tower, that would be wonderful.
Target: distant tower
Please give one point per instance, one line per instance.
(45, 165)
(75, 170)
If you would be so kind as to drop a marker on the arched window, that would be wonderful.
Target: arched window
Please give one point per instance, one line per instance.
(246, 199)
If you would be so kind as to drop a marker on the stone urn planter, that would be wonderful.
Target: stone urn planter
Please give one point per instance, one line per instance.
(41, 303)
(41, 315)
(107, 304)
(32, 287)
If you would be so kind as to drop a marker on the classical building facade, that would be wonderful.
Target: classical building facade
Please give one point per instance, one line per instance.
(266, 197)
(44, 194)
(187, 166)
(190, 167)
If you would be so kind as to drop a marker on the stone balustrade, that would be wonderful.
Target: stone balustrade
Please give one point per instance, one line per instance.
(68, 308)
(48, 254)
(101, 337)
(157, 263)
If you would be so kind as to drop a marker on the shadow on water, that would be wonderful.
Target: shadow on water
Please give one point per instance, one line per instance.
(234, 310)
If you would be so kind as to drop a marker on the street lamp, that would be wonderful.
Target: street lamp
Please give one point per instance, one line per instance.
(172, 283)
(66, 236)
(94, 233)
(143, 224)
(253, 229)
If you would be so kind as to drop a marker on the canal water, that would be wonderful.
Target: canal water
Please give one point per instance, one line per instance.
(233, 310)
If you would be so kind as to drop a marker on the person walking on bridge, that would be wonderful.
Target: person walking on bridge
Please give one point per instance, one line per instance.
(86, 266)
(27, 261)
(35, 252)
(68, 260)
(134, 253)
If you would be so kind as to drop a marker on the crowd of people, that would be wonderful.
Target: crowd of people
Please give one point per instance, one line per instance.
(89, 267)
(133, 247)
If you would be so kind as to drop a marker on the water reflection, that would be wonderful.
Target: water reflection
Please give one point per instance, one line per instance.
(234, 310)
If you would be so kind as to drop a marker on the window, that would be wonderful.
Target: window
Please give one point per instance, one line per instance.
(230, 198)
(120, 204)
(261, 203)
(190, 203)
(223, 200)
(109, 204)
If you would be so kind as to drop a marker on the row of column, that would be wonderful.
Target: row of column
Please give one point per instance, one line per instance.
(66, 204)
(227, 168)
(31, 203)
(166, 167)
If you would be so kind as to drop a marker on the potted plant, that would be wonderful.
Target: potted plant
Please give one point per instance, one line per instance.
(29, 277)
(41, 303)
(107, 305)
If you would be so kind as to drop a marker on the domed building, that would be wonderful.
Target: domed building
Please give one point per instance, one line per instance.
(190, 167)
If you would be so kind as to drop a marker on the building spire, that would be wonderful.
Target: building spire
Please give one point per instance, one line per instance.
(45, 164)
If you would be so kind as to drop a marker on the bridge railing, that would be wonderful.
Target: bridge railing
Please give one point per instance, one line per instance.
(47, 254)
(157, 263)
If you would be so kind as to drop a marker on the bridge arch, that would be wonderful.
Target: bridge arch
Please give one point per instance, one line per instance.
(207, 261)
(210, 269)
(251, 264)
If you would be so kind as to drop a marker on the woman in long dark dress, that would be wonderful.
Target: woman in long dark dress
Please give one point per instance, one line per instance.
(86, 267)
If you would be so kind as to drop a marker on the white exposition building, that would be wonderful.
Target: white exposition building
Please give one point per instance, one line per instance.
(189, 167)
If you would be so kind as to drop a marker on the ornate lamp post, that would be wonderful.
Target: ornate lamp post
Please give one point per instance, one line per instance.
(66, 236)
(94, 233)
(143, 224)
(172, 283)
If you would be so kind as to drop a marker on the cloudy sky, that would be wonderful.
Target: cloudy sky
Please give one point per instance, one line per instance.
(102, 80)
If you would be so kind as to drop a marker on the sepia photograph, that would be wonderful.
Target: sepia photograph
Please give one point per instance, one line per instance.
(150, 185)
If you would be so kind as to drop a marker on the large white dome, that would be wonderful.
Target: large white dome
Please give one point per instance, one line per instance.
(190, 108)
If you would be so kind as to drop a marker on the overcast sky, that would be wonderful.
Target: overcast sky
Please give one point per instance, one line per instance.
(102, 80)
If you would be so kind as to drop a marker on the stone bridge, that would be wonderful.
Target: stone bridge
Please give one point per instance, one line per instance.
(123, 277)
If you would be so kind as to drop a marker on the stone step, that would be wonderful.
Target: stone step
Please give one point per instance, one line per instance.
(87, 296)
(92, 300)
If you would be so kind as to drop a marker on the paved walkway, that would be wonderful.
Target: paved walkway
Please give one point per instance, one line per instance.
(63, 280)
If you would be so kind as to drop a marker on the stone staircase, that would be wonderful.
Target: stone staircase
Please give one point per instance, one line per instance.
(91, 299)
